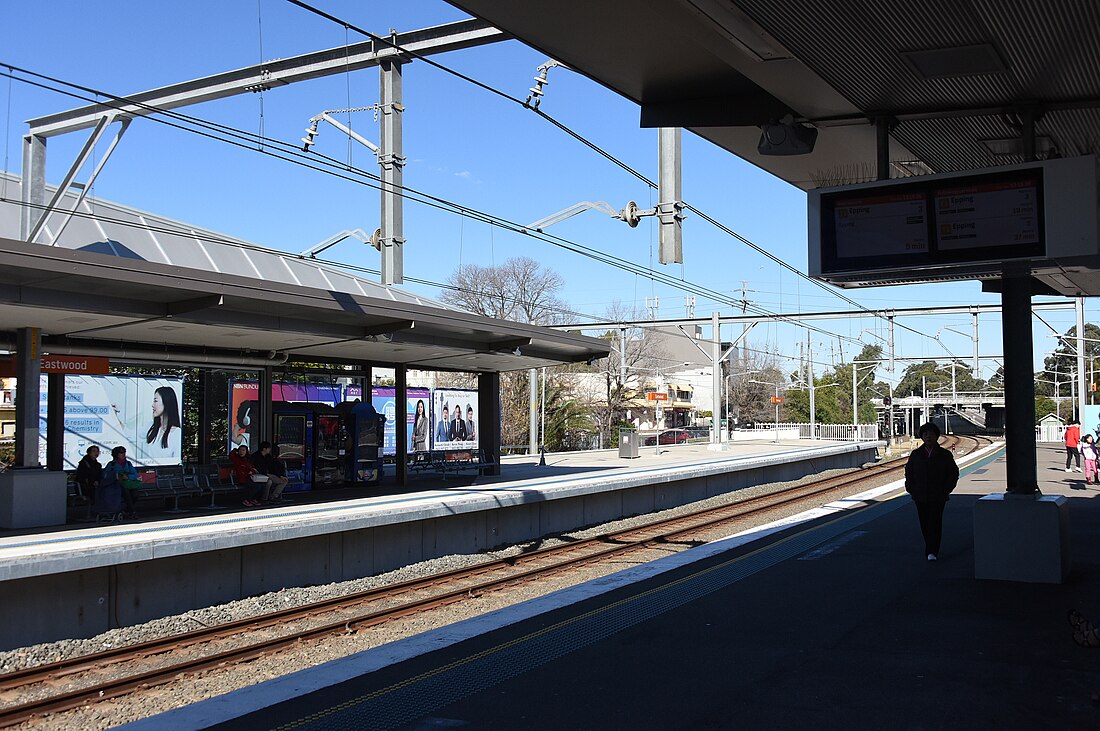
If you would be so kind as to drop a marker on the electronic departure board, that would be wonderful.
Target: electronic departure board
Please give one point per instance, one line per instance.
(964, 225)
(934, 221)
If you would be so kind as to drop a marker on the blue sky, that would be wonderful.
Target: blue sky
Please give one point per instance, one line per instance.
(462, 144)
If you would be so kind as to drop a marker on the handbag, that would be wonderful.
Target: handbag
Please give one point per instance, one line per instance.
(132, 484)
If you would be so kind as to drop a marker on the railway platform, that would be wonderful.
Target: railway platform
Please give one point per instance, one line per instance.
(79, 582)
(831, 620)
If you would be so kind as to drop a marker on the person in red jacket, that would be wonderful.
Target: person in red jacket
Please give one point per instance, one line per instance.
(1073, 437)
(930, 476)
(243, 470)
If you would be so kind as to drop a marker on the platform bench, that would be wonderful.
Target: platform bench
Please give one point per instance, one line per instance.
(450, 461)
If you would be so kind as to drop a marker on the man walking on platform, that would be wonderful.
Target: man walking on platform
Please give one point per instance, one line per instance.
(930, 476)
(1073, 438)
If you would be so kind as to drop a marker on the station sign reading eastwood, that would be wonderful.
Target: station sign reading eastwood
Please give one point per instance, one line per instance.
(76, 364)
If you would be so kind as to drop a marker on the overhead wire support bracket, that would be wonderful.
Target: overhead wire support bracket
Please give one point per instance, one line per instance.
(631, 214)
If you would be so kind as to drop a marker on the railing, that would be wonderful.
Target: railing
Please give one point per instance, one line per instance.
(1052, 433)
(831, 432)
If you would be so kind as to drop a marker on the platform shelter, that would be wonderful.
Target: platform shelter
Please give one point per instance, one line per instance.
(141, 289)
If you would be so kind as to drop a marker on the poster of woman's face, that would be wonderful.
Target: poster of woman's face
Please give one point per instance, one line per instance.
(141, 413)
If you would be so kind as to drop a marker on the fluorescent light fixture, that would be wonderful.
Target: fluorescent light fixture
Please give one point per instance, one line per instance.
(943, 63)
(738, 27)
(1010, 146)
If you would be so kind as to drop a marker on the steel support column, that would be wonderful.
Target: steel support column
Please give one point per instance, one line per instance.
(669, 206)
(33, 187)
(1082, 387)
(533, 412)
(716, 379)
(392, 161)
(267, 417)
(1019, 381)
(202, 429)
(401, 420)
(488, 414)
(28, 363)
(55, 421)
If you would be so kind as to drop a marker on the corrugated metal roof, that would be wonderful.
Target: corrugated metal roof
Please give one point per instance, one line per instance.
(839, 64)
(112, 228)
(1051, 54)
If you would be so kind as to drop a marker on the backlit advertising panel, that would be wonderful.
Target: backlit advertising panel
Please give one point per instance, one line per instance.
(141, 413)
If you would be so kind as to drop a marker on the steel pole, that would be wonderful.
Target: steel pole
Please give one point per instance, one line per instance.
(1081, 391)
(392, 161)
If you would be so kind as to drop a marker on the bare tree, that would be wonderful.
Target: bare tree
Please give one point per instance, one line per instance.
(637, 361)
(521, 290)
(748, 390)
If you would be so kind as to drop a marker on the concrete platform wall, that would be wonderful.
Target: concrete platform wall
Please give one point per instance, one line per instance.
(85, 603)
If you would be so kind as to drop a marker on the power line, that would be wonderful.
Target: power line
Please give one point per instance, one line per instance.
(290, 153)
(591, 145)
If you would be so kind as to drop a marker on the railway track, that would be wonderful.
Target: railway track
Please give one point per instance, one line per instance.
(76, 682)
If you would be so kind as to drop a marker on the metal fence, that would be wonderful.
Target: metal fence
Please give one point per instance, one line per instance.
(831, 432)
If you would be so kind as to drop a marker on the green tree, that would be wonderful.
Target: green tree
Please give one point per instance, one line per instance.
(1061, 365)
(937, 378)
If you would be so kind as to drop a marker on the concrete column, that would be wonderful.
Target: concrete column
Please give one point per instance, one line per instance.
(400, 417)
(55, 421)
(1019, 381)
(488, 414)
(28, 362)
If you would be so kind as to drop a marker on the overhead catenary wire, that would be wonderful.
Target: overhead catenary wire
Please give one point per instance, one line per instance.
(325, 164)
(596, 148)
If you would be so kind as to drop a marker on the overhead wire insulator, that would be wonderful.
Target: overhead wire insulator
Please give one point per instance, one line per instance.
(309, 140)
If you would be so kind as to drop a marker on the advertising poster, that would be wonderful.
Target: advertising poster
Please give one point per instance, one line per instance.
(142, 414)
(1090, 422)
(384, 399)
(454, 419)
(244, 399)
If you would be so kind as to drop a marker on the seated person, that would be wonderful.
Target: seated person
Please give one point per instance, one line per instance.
(89, 473)
(243, 470)
(118, 484)
(266, 464)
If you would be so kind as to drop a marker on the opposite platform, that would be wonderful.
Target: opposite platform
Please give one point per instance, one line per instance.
(61, 584)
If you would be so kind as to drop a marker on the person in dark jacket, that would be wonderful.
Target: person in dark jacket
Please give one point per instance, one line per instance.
(89, 473)
(930, 476)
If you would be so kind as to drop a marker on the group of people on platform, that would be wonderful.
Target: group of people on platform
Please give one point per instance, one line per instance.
(262, 475)
(1082, 447)
(111, 489)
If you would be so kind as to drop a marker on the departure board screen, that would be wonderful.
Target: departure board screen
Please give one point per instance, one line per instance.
(990, 214)
(876, 226)
(994, 216)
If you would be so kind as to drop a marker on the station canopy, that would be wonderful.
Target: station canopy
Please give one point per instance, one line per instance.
(802, 88)
(954, 77)
(141, 287)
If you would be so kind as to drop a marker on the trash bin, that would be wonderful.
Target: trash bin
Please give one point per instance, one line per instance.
(628, 444)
